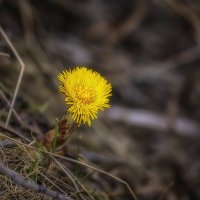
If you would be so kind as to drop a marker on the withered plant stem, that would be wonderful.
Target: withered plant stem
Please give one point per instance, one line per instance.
(20, 75)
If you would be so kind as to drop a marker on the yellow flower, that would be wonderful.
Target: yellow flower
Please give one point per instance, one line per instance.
(86, 93)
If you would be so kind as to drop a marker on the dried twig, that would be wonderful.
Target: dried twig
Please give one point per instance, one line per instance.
(185, 10)
(15, 177)
(150, 119)
(159, 69)
(4, 54)
(20, 75)
(128, 25)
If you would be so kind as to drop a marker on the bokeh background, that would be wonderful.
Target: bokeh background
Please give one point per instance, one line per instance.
(149, 51)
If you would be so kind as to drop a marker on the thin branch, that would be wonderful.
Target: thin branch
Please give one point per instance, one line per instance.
(4, 54)
(20, 75)
(159, 69)
(15, 177)
(130, 24)
(153, 120)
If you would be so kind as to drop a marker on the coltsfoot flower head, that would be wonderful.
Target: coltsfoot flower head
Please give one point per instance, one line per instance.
(86, 93)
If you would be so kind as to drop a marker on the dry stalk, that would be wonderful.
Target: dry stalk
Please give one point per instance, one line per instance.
(20, 75)
(18, 117)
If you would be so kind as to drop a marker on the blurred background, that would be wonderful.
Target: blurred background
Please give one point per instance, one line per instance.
(149, 50)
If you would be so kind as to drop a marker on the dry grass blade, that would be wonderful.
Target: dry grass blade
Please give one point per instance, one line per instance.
(10, 130)
(20, 75)
(79, 163)
(72, 178)
(100, 171)
(30, 185)
(68, 173)
(32, 164)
